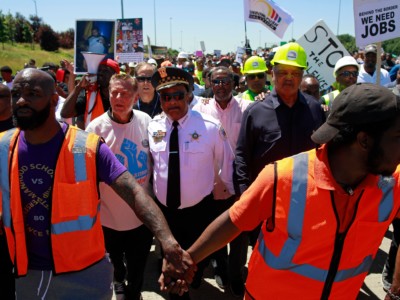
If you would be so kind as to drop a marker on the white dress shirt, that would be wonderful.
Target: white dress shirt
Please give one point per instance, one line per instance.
(230, 119)
(202, 143)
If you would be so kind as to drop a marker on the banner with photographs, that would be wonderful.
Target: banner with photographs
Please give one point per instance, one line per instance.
(94, 36)
(129, 40)
(159, 50)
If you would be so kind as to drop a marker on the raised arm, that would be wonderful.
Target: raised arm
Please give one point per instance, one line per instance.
(69, 108)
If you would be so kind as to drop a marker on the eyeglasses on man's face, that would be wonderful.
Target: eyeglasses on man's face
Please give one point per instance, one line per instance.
(143, 78)
(254, 76)
(223, 81)
(349, 73)
(167, 97)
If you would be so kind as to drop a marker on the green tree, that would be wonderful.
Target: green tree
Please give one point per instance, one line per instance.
(3, 32)
(9, 24)
(66, 39)
(36, 23)
(48, 38)
(348, 41)
(392, 46)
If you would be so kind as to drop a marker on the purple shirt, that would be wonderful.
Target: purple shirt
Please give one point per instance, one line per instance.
(36, 172)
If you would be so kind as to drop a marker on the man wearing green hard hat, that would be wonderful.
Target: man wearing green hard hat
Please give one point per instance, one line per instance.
(280, 125)
(255, 70)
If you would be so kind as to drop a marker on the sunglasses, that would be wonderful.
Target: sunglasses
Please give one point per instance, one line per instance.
(178, 96)
(349, 73)
(223, 81)
(294, 74)
(258, 75)
(143, 78)
(189, 70)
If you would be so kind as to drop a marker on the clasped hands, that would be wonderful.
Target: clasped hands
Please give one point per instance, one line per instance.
(177, 273)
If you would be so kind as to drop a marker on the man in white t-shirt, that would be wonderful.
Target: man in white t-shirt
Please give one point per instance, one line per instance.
(368, 68)
(125, 132)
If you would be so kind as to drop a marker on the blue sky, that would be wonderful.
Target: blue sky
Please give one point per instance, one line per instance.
(219, 23)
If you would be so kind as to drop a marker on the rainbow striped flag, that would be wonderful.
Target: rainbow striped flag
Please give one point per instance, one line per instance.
(269, 14)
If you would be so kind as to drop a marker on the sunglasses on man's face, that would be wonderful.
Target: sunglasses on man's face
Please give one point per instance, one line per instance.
(349, 73)
(143, 78)
(223, 81)
(178, 96)
(189, 70)
(253, 76)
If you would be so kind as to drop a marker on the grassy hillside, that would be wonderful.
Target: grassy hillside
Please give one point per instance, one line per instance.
(15, 56)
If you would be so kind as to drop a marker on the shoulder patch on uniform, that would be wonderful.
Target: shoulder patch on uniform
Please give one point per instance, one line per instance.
(205, 101)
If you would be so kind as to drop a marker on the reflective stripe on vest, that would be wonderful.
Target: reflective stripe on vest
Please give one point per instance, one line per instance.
(83, 222)
(4, 176)
(78, 151)
(295, 228)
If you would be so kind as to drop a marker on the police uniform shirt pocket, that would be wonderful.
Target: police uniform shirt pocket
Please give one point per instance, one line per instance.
(159, 152)
(195, 155)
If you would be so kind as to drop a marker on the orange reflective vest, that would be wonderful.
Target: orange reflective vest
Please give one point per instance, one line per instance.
(94, 107)
(306, 256)
(76, 234)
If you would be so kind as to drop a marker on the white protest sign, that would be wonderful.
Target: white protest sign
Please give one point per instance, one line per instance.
(376, 20)
(203, 46)
(239, 53)
(217, 53)
(323, 51)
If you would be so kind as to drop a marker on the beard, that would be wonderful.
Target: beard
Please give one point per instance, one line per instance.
(35, 120)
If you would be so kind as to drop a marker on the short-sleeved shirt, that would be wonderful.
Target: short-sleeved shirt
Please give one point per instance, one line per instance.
(255, 205)
(202, 147)
(129, 142)
(36, 173)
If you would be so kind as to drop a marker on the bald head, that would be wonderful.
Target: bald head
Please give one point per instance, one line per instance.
(35, 77)
(34, 100)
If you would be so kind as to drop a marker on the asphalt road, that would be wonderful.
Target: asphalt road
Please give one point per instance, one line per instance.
(371, 289)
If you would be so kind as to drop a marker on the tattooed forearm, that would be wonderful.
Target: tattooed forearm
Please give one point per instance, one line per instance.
(143, 206)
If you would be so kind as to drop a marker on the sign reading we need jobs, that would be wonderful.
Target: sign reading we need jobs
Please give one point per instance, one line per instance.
(323, 50)
(376, 20)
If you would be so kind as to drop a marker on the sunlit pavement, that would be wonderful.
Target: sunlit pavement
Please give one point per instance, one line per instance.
(208, 290)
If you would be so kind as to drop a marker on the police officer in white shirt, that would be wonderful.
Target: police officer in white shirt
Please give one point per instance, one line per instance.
(202, 143)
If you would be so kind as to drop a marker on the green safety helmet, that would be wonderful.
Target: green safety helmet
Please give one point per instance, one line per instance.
(291, 54)
(254, 64)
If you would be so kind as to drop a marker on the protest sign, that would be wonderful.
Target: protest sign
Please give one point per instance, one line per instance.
(323, 50)
(239, 53)
(129, 44)
(203, 46)
(95, 36)
(376, 20)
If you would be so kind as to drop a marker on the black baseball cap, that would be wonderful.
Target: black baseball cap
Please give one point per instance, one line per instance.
(359, 104)
(166, 77)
